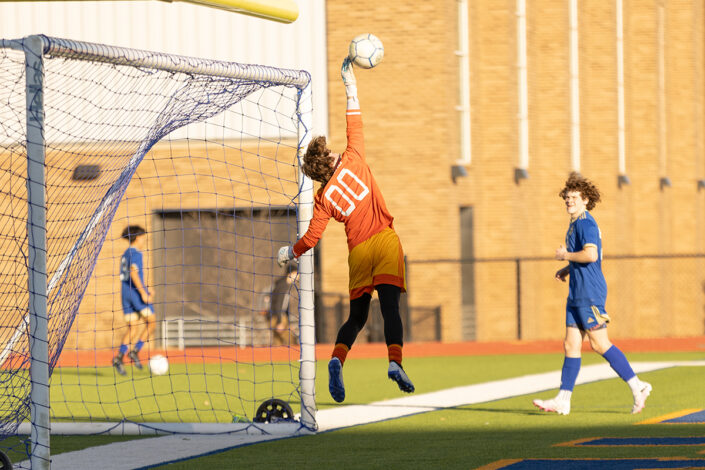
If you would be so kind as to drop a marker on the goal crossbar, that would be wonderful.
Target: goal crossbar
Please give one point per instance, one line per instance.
(81, 50)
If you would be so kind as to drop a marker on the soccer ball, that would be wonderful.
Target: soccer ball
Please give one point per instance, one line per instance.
(158, 365)
(366, 50)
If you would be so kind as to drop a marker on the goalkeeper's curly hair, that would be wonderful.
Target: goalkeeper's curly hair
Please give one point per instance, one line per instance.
(587, 189)
(318, 162)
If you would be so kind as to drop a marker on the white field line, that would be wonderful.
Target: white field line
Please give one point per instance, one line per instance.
(345, 416)
(143, 453)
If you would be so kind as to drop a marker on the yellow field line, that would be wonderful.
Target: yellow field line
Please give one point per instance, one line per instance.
(675, 414)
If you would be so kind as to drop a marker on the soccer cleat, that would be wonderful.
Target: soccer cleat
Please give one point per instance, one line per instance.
(562, 407)
(397, 374)
(135, 360)
(335, 380)
(117, 363)
(640, 397)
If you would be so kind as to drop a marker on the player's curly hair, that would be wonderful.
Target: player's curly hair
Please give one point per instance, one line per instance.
(587, 189)
(318, 161)
(131, 232)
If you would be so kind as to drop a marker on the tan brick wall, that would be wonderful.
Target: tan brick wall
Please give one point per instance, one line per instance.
(171, 176)
(410, 137)
(411, 130)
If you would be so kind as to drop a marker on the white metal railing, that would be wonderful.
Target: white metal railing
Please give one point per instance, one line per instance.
(197, 332)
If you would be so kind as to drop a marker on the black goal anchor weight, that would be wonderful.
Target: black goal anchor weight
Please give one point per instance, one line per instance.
(271, 411)
(5, 462)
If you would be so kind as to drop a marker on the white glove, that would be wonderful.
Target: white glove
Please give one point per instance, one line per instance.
(346, 71)
(286, 254)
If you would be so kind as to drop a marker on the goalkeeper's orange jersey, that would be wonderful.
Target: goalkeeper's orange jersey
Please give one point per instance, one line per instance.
(351, 196)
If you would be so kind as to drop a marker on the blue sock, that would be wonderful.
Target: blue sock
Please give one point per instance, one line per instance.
(139, 345)
(123, 349)
(618, 362)
(569, 373)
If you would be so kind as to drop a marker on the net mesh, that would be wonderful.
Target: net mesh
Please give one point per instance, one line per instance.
(207, 164)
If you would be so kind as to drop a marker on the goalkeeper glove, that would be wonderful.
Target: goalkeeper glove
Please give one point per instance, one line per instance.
(346, 71)
(286, 254)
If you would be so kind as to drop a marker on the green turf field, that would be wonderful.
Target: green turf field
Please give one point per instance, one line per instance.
(210, 393)
(476, 435)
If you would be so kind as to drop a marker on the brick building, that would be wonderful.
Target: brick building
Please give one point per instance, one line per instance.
(412, 130)
(479, 246)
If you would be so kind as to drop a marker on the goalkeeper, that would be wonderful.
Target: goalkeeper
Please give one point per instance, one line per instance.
(350, 195)
(136, 299)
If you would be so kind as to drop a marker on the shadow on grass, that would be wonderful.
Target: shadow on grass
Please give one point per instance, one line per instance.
(437, 443)
(87, 371)
(17, 448)
(442, 443)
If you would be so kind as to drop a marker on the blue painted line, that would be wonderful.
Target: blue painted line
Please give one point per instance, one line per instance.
(601, 464)
(698, 417)
(644, 441)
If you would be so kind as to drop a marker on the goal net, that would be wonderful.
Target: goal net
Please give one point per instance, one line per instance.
(204, 156)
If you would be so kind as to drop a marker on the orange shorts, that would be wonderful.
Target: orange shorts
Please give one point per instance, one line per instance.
(377, 260)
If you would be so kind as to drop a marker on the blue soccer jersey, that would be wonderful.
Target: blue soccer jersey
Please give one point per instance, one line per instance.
(131, 299)
(587, 283)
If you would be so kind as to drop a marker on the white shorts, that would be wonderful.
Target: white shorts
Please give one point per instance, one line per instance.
(134, 316)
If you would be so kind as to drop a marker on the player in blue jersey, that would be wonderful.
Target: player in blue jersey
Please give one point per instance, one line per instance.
(585, 309)
(136, 298)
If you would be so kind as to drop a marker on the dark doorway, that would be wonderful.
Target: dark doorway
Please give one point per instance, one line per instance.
(211, 269)
(467, 273)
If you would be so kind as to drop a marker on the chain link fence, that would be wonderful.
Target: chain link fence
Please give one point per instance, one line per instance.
(519, 297)
(332, 310)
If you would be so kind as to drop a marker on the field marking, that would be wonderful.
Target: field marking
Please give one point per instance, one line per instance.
(630, 463)
(635, 442)
(145, 453)
(675, 414)
(353, 415)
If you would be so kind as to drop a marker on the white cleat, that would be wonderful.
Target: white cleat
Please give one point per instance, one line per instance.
(562, 407)
(640, 397)
(397, 374)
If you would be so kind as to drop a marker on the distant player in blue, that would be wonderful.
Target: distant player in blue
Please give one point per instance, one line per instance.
(585, 309)
(136, 298)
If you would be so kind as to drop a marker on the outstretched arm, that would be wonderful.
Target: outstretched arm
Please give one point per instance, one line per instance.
(353, 117)
(350, 82)
(309, 240)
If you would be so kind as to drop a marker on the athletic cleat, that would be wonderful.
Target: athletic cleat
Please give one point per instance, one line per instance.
(117, 363)
(335, 380)
(562, 407)
(640, 397)
(397, 374)
(135, 360)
